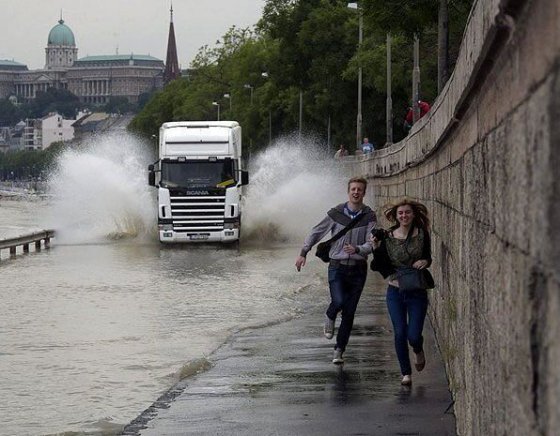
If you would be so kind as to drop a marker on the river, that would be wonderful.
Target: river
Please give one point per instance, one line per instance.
(96, 328)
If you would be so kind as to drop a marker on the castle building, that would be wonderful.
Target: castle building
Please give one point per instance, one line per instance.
(94, 79)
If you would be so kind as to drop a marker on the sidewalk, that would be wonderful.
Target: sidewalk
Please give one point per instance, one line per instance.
(279, 380)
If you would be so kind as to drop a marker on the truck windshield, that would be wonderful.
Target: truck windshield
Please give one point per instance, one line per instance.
(197, 174)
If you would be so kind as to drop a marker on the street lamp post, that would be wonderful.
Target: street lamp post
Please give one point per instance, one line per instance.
(389, 106)
(264, 75)
(215, 103)
(247, 86)
(356, 6)
(416, 81)
(300, 113)
(228, 96)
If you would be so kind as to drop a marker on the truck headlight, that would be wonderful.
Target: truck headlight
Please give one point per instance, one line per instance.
(166, 227)
(231, 225)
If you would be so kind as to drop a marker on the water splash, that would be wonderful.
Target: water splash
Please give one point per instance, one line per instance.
(100, 191)
(292, 186)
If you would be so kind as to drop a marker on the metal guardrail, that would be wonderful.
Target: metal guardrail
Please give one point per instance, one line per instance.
(26, 240)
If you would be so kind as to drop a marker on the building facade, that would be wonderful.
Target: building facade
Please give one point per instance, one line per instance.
(94, 79)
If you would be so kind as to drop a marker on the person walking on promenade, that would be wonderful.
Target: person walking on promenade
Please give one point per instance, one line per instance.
(347, 266)
(341, 153)
(406, 245)
(367, 147)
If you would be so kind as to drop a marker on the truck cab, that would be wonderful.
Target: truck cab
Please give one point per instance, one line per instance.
(199, 177)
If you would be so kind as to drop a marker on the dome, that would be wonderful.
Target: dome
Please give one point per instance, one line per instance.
(61, 35)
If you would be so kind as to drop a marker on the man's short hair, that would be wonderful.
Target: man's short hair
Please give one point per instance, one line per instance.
(357, 180)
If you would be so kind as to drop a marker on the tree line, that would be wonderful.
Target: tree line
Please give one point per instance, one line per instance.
(308, 50)
(29, 164)
(62, 102)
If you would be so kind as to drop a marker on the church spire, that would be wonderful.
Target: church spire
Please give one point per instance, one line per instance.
(171, 63)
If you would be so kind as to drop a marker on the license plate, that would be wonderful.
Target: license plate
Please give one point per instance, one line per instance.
(198, 237)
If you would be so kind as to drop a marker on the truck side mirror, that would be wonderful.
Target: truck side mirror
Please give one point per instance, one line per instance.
(151, 167)
(151, 176)
(244, 177)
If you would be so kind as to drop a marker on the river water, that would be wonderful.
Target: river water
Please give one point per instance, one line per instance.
(99, 326)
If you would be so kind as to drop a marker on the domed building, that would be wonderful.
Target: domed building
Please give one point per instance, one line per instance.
(94, 79)
(61, 51)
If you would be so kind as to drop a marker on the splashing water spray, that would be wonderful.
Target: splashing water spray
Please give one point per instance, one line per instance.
(292, 186)
(100, 191)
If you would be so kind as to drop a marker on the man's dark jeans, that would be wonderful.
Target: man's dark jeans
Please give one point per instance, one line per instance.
(346, 284)
(408, 311)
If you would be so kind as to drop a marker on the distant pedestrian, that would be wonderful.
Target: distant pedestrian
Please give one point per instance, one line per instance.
(347, 266)
(405, 249)
(409, 118)
(341, 152)
(367, 147)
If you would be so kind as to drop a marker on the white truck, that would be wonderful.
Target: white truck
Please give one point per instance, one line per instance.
(199, 177)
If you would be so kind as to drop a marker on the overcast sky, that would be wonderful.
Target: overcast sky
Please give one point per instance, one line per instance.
(137, 26)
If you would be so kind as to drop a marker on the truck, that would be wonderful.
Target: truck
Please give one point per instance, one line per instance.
(199, 176)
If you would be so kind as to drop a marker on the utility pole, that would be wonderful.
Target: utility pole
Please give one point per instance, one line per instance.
(416, 81)
(443, 45)
(360, 38)
(300, 113)
(228, 96)
(389, 113)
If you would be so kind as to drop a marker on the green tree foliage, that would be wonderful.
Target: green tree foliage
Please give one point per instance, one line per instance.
(61, 101)
(29, 164)
(311, 47)
(9, 113)
(118, 105)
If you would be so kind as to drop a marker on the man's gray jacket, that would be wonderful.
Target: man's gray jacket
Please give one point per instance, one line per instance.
(334, 222)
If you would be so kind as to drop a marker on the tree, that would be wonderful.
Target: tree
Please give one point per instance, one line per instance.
(118, 105)
(9, 114)
(309, 47)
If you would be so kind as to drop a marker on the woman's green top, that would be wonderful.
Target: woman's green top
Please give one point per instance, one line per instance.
(403, 252)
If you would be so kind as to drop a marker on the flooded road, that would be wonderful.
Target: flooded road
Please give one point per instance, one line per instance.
(99, 326)
(92, 334)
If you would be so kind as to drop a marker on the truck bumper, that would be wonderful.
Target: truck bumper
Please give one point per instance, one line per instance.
(173, 237)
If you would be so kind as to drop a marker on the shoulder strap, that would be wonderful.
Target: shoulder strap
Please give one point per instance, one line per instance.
(347, 228)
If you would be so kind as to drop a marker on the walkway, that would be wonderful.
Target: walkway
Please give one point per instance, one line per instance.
(279, 380)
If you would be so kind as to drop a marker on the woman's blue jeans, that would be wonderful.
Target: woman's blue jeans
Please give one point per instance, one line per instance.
(408, 311)
(346, 284)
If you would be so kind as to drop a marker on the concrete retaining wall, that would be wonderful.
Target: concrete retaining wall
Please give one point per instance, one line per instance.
(486, 163)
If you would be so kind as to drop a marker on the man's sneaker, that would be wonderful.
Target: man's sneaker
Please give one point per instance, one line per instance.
(337, 357)
(406, 380)
(328, 329)
(420, 361)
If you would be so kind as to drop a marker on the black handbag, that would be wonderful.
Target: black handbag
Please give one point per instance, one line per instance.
(324, 248)
(411, 279)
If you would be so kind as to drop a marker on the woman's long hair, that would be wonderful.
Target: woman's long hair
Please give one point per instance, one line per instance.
(421, 219)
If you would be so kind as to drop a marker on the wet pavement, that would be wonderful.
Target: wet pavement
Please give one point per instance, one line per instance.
(279, 380)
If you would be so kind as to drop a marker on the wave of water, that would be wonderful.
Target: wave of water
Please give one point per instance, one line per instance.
(292, 185)
(100, 191)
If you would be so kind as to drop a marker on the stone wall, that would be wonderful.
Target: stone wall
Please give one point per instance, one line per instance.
(485, 162)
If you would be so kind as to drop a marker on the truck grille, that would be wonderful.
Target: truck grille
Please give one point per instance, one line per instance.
(198, 213)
